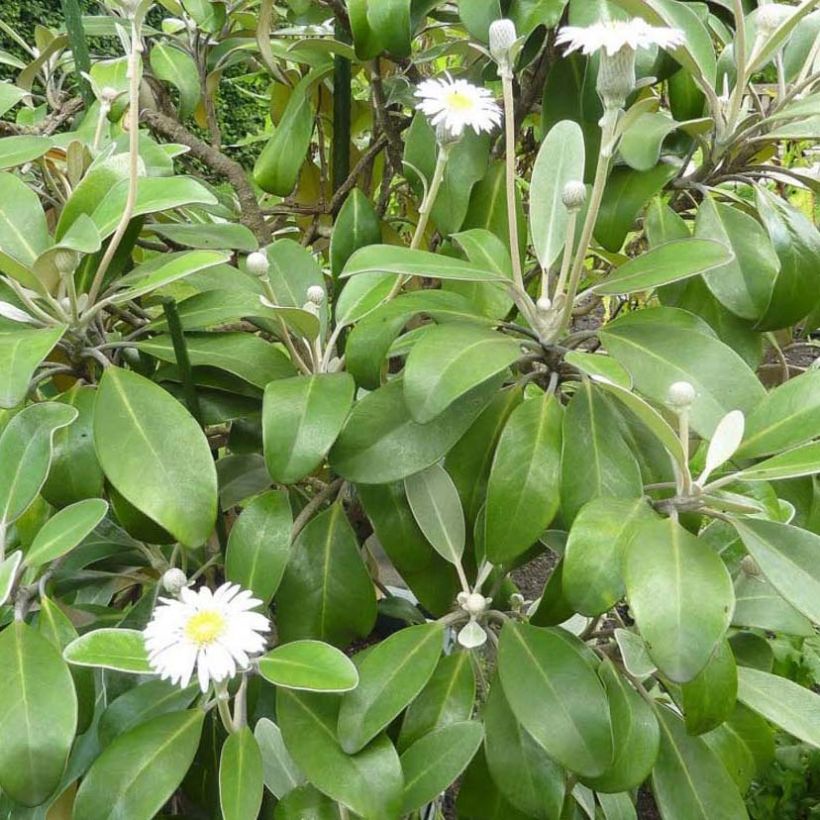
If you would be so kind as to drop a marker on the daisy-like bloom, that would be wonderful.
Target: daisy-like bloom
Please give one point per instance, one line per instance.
(457, 104)
(618, 42)
(214, 633)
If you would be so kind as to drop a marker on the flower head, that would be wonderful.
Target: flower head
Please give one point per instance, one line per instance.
(613, 36)
(212, 632)
(457, 104)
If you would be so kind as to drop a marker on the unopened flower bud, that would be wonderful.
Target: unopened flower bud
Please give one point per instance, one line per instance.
(574, 195)
(257, 264)
(316, 294)
(502, 38)
(543, 305)
(680, 395)
(66, 261)
(749, 565)
(173, 580)
(474, 603)
(616, 77)
(445, 137)
(108, 95)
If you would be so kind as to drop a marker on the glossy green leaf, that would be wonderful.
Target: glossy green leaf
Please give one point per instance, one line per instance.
(689, 781)
(670, 262)
(110, 648)
(140, 770)
(524, 482)
(478, 795)
(592, 581)
(369, 783)
(604, 368)
(21, 351)
(556, 695)
(64, 530)
(10, 95)
(241, 783)
(709, 698)
(390, 676)
(801, 461)
(208, 235)
(760, 606)
(259, 545)
(680, 594)
(281, 774)
(309, 665)
(787, 556)
(23, 230)
(633, 652)
(155, 454)
(8, 574)
(301, 418)
(25, 452)
(435, 761)
(38, 715)
(178, 68)
(326, 592)
(381, 443)
(20, 150)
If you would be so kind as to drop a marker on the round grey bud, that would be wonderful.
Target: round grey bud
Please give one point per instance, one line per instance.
(173, 580)
(66, 261)
(257, 264)
(680, 395)
(108, 95)
(749, 565)
(574, 195)
(502, 38)
(544, 304)
(474, 603)
(316, 294)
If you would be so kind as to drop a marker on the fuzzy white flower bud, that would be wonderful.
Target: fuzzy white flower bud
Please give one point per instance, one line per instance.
(257, 264)
(108, 95)
(574, 195)
(544, 304)
(173, 580)
(502, 39)
(66, 261)
(681, 395)
(474, 603)
(316, 294)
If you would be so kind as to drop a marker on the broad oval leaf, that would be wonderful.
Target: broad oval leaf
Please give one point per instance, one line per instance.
(435, 761)
(281, 774)
(23, 230)
(156, 455)
(449, 361)
(64, 530)
(110, 648)
(309, 665)
(556, 696)
(241, 783)
(38, 718)
(680, 594)
(357, 226)
(390, 676)
(709, 698)
(140, 770)
(21, 351)
(301, 418)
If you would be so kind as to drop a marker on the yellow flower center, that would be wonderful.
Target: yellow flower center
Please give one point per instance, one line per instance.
(205, 627)
(460, 102)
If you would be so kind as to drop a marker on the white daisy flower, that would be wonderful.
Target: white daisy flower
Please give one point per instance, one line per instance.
(215, 633)
(613, 35)
(457, 104)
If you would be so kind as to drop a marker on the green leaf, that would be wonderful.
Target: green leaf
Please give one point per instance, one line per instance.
(241, 785)
(689, 781)
(23, 230)
(448, 697)
(326, 592)
(208, 235)
(309, 665)
(560, 160)
(120, 649)
(136, 775)
(64, 530)
(760, 606)
(635, 735)
(8, 574)
(411, 262)
(523, 487)
(605, 368)
(788, 416)
(633, 651)
(787, 556)
(478, 795)
(362, 295)
(450, 361)
(436, 506)
(680, 594)
(642, 140)
(21, 351)
(369, 783)
(155, 454)
(38, 715)
(435, 761)
(25, 452)
(801, 461)
(709, 698)
(259, 545)
(529, 14)
(521, 769)
(595, 460)
(10, 95)
(214, 307)
(381, 443)
(357, 225)
(281, 774)
(660, 346)
(301, 418)
(788, 705)
(16, 151)
(178, 68)
(670, 262)
(556, 695)
(249, 357)
(389, 21)
(306, 802)
(592, 581)
(390, 677)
